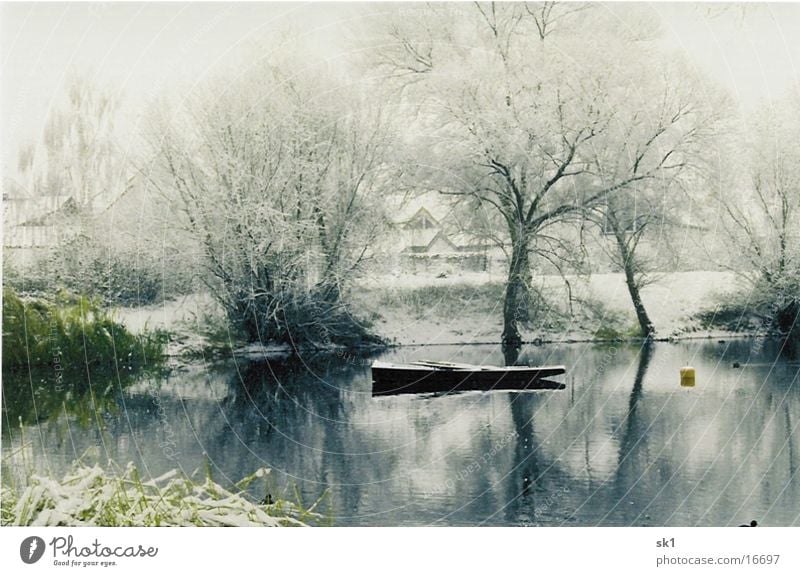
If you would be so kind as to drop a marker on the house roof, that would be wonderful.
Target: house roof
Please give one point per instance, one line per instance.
(421, 213)
(18, 211)
(403, 209)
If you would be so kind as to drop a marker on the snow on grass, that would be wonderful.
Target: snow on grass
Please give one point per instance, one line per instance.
(92, 496)
(169, 314)
(466, 307)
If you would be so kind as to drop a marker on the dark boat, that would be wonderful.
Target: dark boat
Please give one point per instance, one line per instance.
(428, 376)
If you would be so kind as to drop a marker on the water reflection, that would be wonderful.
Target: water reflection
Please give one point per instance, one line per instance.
(511, 355)
(36, 395)
(624, 444)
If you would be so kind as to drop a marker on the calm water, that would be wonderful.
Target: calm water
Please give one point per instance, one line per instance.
(623, 445)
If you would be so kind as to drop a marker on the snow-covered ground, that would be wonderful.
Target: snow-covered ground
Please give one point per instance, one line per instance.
(671, 303)
(167, 315)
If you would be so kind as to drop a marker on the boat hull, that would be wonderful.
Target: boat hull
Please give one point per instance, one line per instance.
(406, 380)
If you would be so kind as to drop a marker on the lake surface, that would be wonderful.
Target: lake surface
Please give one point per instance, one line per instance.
(622, 445)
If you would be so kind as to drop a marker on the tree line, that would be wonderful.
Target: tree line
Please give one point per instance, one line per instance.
(541, 119)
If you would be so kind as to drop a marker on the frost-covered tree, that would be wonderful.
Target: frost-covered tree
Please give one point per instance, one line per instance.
(679, 118)
(759, 192)
(71, 178)
(536, 121)
(78, 154)
(278, 176)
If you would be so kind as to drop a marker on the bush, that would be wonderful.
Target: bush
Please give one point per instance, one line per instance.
(301, 320)
(730, 314)
(606, 323)
(764, 310)
(123, 277)
(83, 266)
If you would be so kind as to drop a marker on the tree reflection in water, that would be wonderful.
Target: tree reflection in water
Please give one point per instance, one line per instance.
(623, 431)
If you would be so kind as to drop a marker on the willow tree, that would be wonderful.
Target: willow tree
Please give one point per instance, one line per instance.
(74, 172)
(78, 154)
(534, 121)
(683, 119)
(277, 175)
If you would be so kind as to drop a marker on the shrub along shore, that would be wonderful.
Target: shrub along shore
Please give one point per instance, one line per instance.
(72, 331)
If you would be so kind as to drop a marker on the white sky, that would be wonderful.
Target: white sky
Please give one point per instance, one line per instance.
(141, 50)
(751, 49)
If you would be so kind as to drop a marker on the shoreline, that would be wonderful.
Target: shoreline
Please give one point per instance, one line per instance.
(431, 312)
(256, 352)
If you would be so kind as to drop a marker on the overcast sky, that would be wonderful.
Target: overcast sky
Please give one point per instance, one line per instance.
(140, 50)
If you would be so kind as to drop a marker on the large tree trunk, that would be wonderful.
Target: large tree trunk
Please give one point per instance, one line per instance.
(645, 324)
(787, 318)
(517, 300)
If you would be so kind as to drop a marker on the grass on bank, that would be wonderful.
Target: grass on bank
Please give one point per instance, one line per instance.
(93, 496)
(72, 331)
(461, 305)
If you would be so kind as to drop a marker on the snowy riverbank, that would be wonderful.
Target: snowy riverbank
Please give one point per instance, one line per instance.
(468, 309)
(601, 304)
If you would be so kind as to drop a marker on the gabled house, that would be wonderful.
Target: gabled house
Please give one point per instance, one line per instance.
(429, 237)
(421, 220)
(36, 223)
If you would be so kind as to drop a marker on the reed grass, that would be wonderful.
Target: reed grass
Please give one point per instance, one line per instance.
(72, 332)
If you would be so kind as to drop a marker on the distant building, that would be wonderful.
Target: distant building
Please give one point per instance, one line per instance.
(31, 225)
(34, 223)
(429, 236)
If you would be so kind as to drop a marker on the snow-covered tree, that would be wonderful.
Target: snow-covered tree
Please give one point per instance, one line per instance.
(538, 121)
(278, 176)
(759, 193)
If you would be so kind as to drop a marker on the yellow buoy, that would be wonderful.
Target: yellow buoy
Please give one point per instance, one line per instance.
(687, 376)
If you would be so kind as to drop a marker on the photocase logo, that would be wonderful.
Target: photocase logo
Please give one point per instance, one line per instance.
(31, 550)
